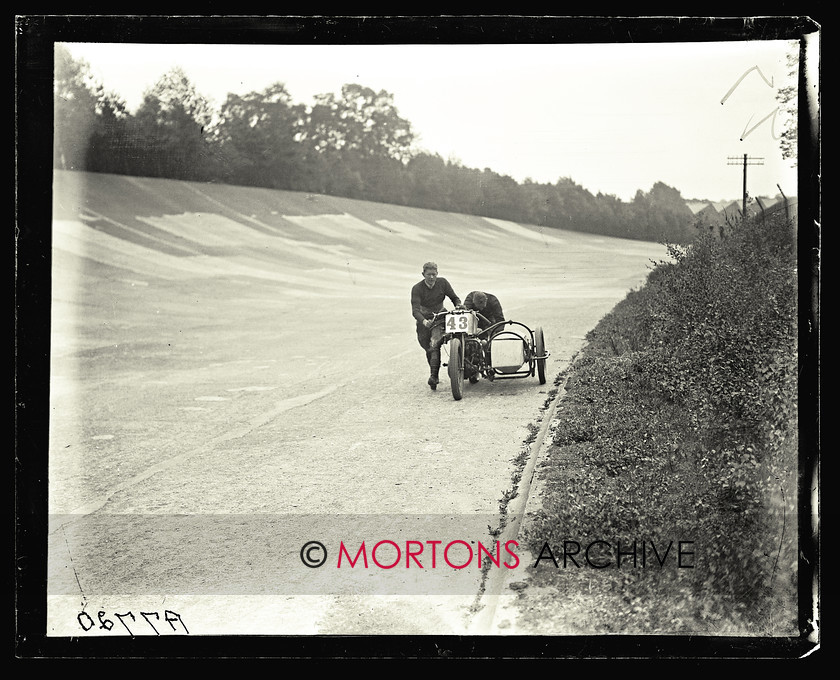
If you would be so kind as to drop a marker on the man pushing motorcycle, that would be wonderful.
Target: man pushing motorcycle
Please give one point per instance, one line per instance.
(427, 298)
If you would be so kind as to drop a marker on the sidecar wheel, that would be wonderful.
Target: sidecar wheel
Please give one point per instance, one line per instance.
(539, 349)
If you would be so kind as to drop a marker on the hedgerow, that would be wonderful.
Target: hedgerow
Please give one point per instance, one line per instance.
(679, 423)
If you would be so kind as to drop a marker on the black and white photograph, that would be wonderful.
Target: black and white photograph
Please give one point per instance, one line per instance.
(417, 337)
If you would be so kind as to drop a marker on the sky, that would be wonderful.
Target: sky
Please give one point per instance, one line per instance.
(615, 118)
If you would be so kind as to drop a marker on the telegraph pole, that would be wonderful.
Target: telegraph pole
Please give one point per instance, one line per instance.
(746, 160)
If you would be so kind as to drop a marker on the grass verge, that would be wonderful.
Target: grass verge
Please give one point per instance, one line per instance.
(668, 492)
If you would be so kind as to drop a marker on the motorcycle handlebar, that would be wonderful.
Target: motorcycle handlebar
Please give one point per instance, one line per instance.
(444, 312)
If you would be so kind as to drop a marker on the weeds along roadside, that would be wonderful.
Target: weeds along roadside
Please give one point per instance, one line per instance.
(679, 423)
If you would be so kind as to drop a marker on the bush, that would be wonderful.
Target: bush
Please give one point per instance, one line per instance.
(679, 422)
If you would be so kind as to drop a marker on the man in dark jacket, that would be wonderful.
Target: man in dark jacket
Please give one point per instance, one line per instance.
(427, 298)
(490, 308)
(487, 305)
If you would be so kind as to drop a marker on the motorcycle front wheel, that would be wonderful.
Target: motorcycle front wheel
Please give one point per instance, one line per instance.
(456, 368)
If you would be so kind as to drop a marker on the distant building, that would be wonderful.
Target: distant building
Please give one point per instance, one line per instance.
(727, 213)
(704, 213)
(766, 203)
(771, 206)
(730, 211)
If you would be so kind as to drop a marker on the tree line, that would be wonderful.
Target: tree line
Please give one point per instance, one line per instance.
(354, 145)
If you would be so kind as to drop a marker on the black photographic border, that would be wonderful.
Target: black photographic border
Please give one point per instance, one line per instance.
(35, 36)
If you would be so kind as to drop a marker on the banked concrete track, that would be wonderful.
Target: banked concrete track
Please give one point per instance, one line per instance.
(234, 375)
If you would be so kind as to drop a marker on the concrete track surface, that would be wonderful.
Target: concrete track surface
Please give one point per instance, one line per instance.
(235, 374)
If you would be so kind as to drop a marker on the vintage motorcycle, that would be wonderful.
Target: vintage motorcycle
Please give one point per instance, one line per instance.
(504, 350)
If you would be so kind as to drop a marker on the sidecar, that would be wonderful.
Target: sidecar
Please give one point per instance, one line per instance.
(515, 351)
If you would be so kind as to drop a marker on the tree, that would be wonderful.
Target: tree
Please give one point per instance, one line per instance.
(787, 98)
(572, 206)
(611, 215)
(362, 121)
(430, 188)
(111, 146)
(257, 136)
(661, 215)
(75, 96)
(91, 125)
(171, 126)
(464, 193)
(501, 197)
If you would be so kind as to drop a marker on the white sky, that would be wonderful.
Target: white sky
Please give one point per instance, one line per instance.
(614, 117)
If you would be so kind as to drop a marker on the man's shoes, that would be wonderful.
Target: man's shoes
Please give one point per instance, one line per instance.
(433, 382)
